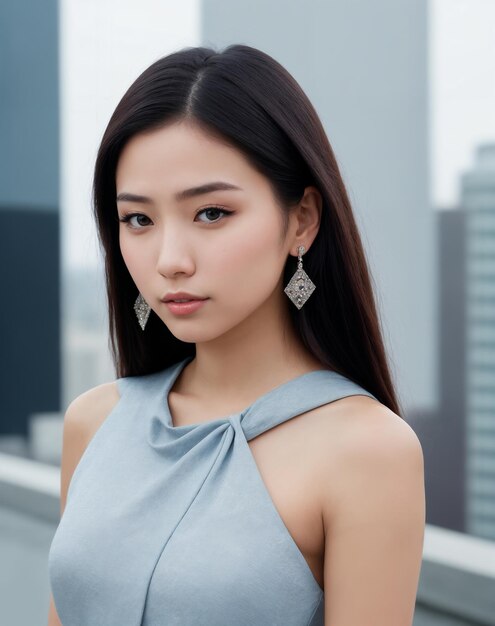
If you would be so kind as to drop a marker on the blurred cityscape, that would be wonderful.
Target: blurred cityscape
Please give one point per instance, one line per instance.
(434, 267)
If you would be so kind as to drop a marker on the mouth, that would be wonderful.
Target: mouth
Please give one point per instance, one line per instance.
(181, 296)
(184, 307)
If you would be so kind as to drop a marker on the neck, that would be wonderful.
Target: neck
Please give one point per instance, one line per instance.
(261, 353)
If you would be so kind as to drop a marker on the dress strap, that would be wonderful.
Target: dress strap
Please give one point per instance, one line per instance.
(296, 396)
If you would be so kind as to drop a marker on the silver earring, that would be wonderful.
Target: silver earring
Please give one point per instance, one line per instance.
(142, 309)
(300, 286)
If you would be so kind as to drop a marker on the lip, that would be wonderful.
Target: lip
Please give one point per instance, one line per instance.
(179, 295)
(185, 308)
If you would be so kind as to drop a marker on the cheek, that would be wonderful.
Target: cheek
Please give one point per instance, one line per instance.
(135, 258)
(250, 262)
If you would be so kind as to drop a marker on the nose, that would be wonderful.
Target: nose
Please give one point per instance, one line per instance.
(174, 255)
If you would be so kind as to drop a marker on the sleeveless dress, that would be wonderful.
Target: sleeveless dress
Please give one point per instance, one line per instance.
(173, 525)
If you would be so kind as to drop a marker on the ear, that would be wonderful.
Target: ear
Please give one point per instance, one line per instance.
(307, 217)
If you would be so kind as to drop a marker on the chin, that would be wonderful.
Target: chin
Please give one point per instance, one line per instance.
(194, 334)
(199, 331)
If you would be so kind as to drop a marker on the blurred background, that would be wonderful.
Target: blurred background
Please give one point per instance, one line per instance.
(406, 92)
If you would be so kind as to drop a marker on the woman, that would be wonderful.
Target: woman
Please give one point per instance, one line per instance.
(250, 464)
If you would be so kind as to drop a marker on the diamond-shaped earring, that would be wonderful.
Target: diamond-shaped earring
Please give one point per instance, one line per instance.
(142, 309)
(300, 286)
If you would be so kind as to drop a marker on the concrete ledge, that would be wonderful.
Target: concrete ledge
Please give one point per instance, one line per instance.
(458, 576)
(30, 487)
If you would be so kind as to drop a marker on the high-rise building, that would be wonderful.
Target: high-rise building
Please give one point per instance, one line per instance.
(478, 197)
(442, 431)
(29, 214)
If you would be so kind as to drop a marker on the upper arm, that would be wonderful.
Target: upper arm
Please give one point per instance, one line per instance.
(374, 516)
(82, 418)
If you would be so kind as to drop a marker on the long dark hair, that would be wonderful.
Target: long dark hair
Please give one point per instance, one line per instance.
(248, 99)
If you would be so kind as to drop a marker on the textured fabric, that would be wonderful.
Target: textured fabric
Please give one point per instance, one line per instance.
(173, 526)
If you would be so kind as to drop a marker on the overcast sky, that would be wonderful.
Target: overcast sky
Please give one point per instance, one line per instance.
(462, 90)
(106, 44)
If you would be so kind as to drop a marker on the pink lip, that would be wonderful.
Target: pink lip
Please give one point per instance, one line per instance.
(184, 308)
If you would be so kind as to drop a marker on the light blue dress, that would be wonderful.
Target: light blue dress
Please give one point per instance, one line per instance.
(173, 526)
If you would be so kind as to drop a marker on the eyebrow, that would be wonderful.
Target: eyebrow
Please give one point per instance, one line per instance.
(181, 195)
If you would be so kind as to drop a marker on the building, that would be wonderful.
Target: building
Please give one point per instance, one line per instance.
(478, 197)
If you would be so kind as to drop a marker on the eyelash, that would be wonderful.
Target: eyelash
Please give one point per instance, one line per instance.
(126, 218)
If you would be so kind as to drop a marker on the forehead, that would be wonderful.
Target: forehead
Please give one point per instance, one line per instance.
(180, 154)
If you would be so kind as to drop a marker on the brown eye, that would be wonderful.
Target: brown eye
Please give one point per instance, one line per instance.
(212, 211)
(129, 216)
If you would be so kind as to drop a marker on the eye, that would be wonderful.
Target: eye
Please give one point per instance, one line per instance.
(207, 211)
(127, 218)
(214, 209)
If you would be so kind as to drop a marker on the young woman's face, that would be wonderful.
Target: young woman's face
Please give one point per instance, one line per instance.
(223, 245)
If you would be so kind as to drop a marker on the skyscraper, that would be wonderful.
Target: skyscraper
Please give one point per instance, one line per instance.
(29, 213)
(478, 197)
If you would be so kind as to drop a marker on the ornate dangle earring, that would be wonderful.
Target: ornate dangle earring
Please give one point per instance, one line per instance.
(300, 286)
(142, 309)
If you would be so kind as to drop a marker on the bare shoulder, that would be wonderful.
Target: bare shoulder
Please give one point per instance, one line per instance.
(371, 472)
(359, 434)
(82, 418)
(89, 409)
(355, 418)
